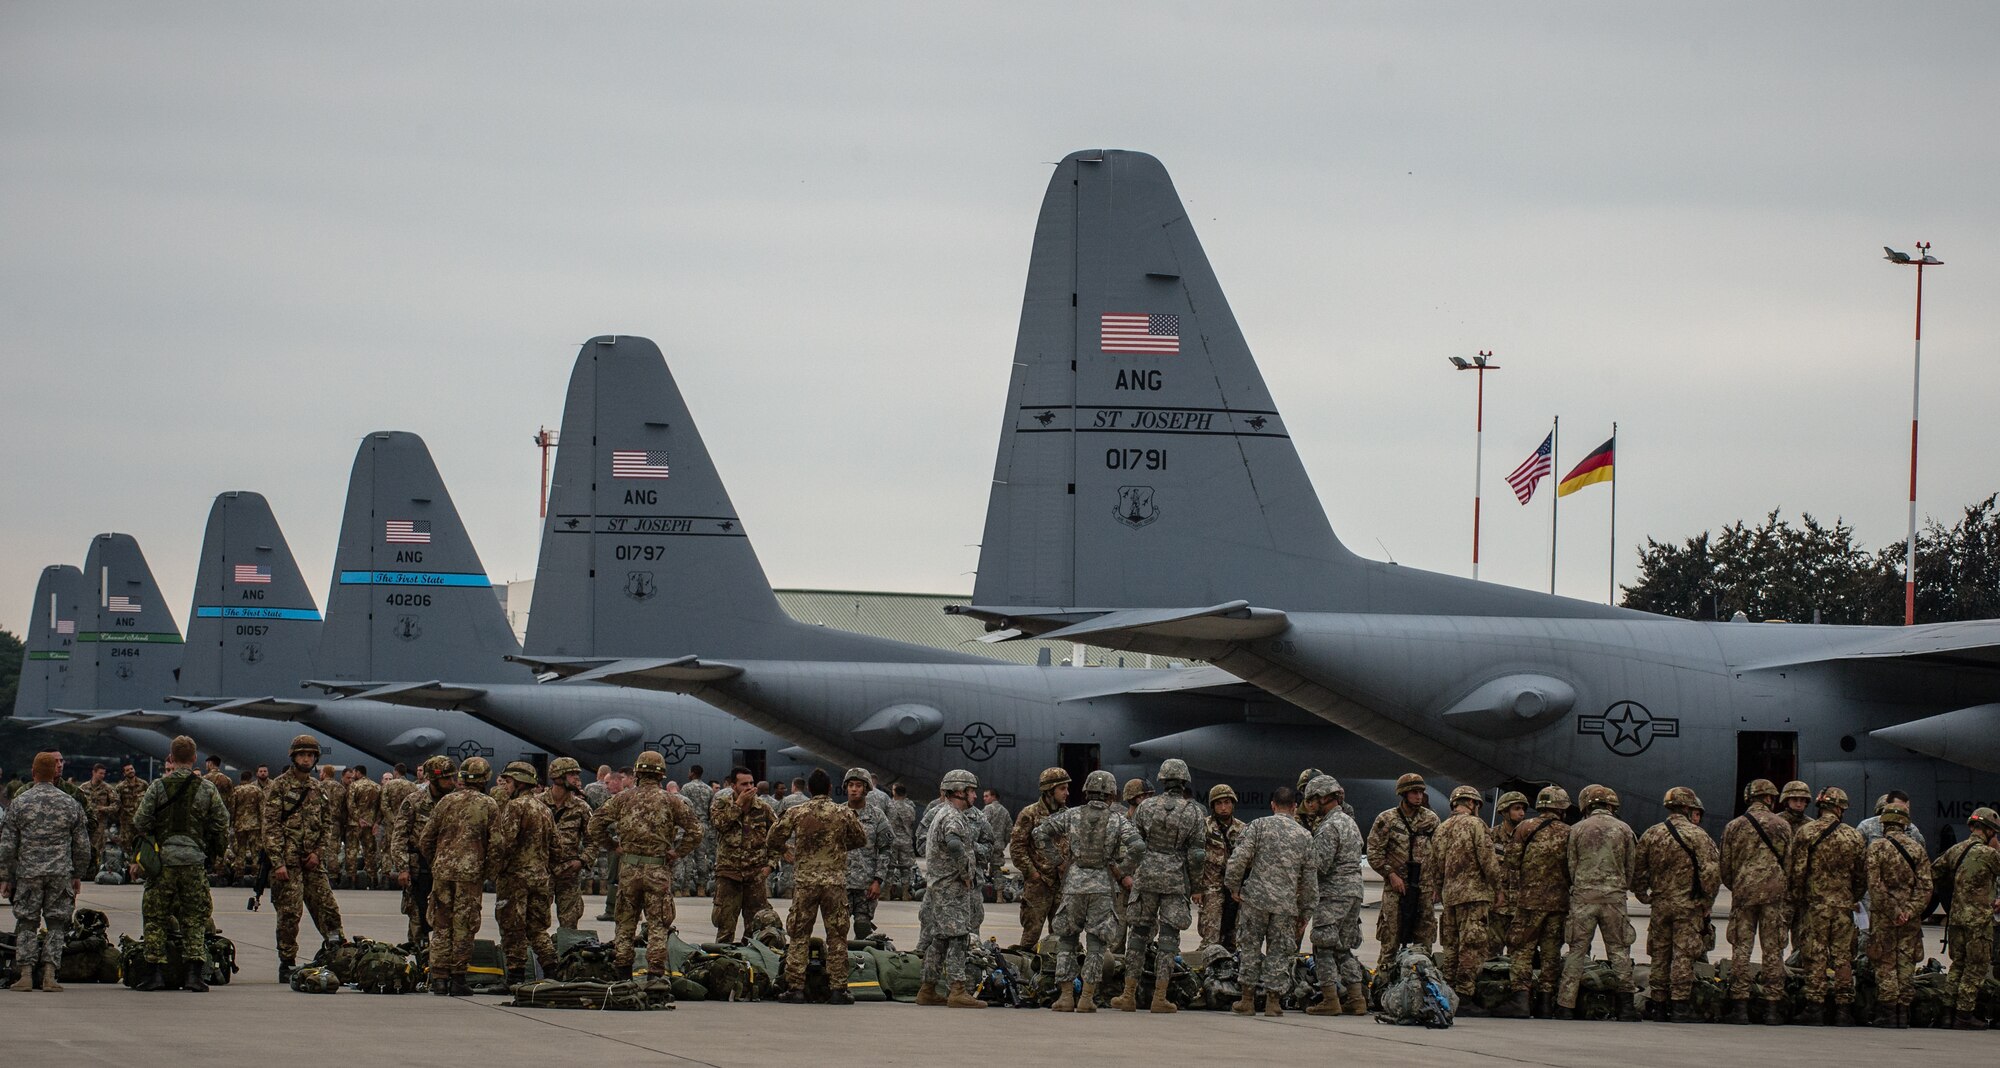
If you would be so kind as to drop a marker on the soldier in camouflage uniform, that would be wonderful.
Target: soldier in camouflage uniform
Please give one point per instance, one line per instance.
(1336, 921)
(437, 777)
(1399, 848)
(130, 789)
(1541, 908)
(44, 850)
(695, 870)
(902, 853)
(454, 839)
(1102, 846)
(999, 825)
(298, 839)
(1468, 874)
(1307, 819)
(334, 787)
(246, 825)
(396, 792)
(571, 816)
(648, 830)
(1828, 871)
(182, 814)
(1792, 803)
(1512, 809)
(1041, 872)
(364, 811)
(1602, 853)
(949, 917)
(1754, 847)
(1973, 866)
(817, 837)
(520, 851)
(1276, 886)
(1224, 830)
(101, 804)
(867, 862)
(742, 823)
(1174, 829)
(1899, 886)
(1678, 872)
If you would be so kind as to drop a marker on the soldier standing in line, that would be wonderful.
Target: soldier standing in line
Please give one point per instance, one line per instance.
(1541, 910)
(1899, 886)
(949, 917)
(999, 825)
(867, 861)
(1792, 802)
(1973, 866)
(297, 838)
(648, 830)
(571, 816)
(1176, 848)
(101, 804)
(454, 840)
(218, 778)
(397, 790)
(1677, 872)
(364, 811)
(1468, 872)
(1511, 808)
(1602, 853)
(597, 795)
(436, 778)
(246, 825)
(130, 789)
(1276, 885)
(696, 869)
(903, 853)
(1754, 847)
(743, 823)
(1399, 848)
(1041, 872)
(184, 817)
(44, 849)
(1218, 909)
(1336, 920)
(334, 787)
(520, 851)
(1101, 845)
(818, 837)
(1307, 819)
(1828, 872)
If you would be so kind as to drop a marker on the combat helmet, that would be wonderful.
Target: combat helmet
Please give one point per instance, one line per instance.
(1881, 804)
(1134, 789)
(1984, 817)
(1894, 816)
(1322, 786)
(1832, 797)
(305, 743)
(1796, 788)
(1052, 778)
(650, 765)
(562, 766)
(1307, 776)
(475, 771)
(1467, 795)
(1172, 770)
(1220, 791)
(1100, 784)
(1411, 781)
(438, 767)
(957, 780)
(1509, 800)
(1682, 797)
(1760, 788)
(1597, 795)
(1552, 797)
(859, 775)
(522, 772)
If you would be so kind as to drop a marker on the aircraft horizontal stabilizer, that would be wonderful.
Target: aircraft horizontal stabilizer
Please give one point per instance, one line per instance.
(431, 694)
(276, 708)
(1206, 680)
(98, 719)
(672, 676)
(341, 689)
(1971, 643)
(1230, 621)
(562, 667)
(1969, 737)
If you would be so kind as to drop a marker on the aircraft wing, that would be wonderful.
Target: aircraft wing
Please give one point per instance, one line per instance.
(1973, 643)
(1230, 621)
(432, 694)
(98, 719)
(672, 676)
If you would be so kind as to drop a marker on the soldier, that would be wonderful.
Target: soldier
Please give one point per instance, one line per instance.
(742, 822)
(1678, 872)
(184, 818)
(397, 789)
(246, 825)
(454, 841)
(1336, 921)
(1136, 790)
(1041, 872)
(1602, 853)
(1511, 808)
(999, 824)
(1276, 887)
(648, 830)
(413, 870)
(1973, 866)
(1176, 840)
(218, 778)
(1468, 873)
(1827, 870)
(333, 786)
(1540, 860)
(1101, 845)
(1792, 802)
(364, 811)
(697, 868)
(1399, 847)
(101, 804)
(867, 861)
(903, 853)
(949, 918)
(44, 849)
(1899, 886)
(571, 815)
(817, 838)
(130, 789)
(520, 850)
(296, 838)
(1218, 909)
(1754, 847)
(1307, 819)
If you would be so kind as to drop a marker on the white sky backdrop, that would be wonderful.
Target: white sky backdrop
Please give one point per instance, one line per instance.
(235, 238)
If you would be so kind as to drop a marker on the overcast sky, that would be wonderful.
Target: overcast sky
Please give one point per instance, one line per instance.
(239, 237)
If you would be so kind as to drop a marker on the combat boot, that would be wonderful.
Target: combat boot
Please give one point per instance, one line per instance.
(1651, 1011)
(459, 987)
(150, 978)
(840, 997)
(1328, 1004)
(1271, 1006)
(1774, 1015)
(26, 982)
(1739, 1012)
(193, 982)
(927, 994)
(1129, 1000)
(1682, 1012)
(1067, 1002)
(1469, 1008)
(1902, 1017)
(1354, 1001)
(1538, 1004)
(1247, 1004)
(1626, 1013)
(958, 998)
(1161, 1002)
(1843, 1014)
(1885, 1016)
(49, 984)
(1812, 1016)
(794, 996)
(1515, 1007)
(1565, 1012)
(1966, 1021)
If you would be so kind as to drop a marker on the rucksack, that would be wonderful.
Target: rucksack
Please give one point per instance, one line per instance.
(1413, 992)
(385, 969)
(628, 995)
(315, 979)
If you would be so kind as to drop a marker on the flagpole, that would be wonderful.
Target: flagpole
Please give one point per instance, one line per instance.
(1555, 440)
(1612, 596)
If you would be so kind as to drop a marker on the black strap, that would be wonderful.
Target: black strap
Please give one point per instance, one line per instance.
(1758, 826)
(1694, 861)
(1904, 853)
(179, 795)
(1812, 848)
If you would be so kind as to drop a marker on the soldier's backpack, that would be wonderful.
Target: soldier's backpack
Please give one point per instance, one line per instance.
(1413, 992)
(628, 995)
(99, 965)
(1934, 1002)
(385, 969)
(723, 977)
(340, 955)
(126, 960)
(587, 961)
(1220, 978)
(1494, 985)
(901, 974)
(315, 979)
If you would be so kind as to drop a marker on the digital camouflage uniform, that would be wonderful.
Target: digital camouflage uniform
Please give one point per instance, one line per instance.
(1899, 885)
(1221, 839)
(44, 846)
(246, 827)
(1041, 871)
(1469, 872)
(1828, 872)
(101, 801)
(520, 851)
(819, 836)
(947, 916)
(1173, 827)
(131, 789)
(1336, 920)
(572, 832)
(1272, 871)
(295, 828)
(999, 826)
(183, 814)
(1541, 904)
(1679, 881)
(1102, 846)
(741, 835)
(903, 853)
(454, 838)
(650, 829)
(364, 811)
(1399, 839)
(1969, 927)
(1602, 853)
(1753, 868)
(867, 866)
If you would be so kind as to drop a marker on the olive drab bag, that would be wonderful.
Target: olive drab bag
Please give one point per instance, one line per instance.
(901, 974)
(1413, 992)
(385, 969)
(315, 979)
(629, 995)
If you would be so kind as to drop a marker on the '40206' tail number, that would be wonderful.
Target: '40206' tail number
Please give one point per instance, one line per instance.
(1135, 459)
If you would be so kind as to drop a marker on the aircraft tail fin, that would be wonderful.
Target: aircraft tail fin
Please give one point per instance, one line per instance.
(410, 598)
(127, 640)
(254, 624)
(49, 657)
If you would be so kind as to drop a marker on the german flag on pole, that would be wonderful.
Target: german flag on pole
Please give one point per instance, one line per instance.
(1595, 468)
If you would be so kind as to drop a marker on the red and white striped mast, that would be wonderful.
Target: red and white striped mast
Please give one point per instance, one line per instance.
(1922, 259)
(1479, 364)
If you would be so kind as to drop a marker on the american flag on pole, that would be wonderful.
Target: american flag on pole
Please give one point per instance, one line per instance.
(65, 626)
(1536, 467)
(407, 531)
(1129, 333)
(638, 463)
(253, 575)
(118, 602)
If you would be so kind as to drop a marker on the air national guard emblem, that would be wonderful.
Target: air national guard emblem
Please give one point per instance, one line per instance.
(639, 585)
(408, 629)
(1135, 506)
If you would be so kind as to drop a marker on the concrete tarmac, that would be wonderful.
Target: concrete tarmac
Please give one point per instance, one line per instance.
(254, 1016)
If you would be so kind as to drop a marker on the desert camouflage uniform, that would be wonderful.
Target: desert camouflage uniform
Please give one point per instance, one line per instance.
(650, 829)
(948, 917)
(1753, 868)
(695, 870)
(1541, 908)
(1899, 884)
(1273, 871)
(395, 794)
(44, 846)
(1399, 837)
(1828, 872)
(1680, 889)
(1469, 870)
(520, 850)
(1602, 852)
(1222, 838)
(1336, 921)
(866, 864)
(295, 827)
(740, 856)
(1174, 829)
(572, 830)
(223, 787)
(1101, 843)
(404, 857)
(820, 837)
(246, 824)
(1041, 871)
(454, 838)
(100, 801)
(903, 853)
(130, 790)
(364, 811)
(1969, 927)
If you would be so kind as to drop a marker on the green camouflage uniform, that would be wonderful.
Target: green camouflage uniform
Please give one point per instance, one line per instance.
(364, 811)
(1969, 928)
(1899, 884)
(1541, 905)
(1680, 888)
(395, 794)
(182, 813)
(1500, 919)
(572, 823)
(454, 838)
(1602, 854)
(130, 789)
(295, 827)
(818, 836)
(519, 849)
(246, 825)
(1828, 872)
(100, 802)
(405, 858)
(650, 829)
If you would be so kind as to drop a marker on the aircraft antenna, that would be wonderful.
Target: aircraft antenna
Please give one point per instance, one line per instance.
(545, 440)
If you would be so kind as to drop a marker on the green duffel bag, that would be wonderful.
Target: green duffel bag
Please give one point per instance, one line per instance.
(900, 974)
(386, 969)
(725, 978)
(627, 996)
(486, 972)
(100, 965)
(339, 956)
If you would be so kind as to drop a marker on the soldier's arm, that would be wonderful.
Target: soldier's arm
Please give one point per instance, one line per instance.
(427, 836)
(79, 847)
(1378, 847)
(852, 834)
(149, 803)
(599, 827)
(214, 821)
(268, 827)
(503, 833)
(776, 839)
(1239, 861)
(1489, 859)
(725, 815)
(1308, 891)
(690, 827)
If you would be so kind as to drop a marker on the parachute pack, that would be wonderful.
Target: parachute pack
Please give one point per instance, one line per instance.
(1412, 992)
(629, 995)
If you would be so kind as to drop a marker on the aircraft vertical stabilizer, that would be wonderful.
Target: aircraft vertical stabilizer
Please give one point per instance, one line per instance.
(46, 666)
(254, 625)
(128, 644)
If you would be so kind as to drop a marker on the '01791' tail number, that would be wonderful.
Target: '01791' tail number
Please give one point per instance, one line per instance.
(1135, 459)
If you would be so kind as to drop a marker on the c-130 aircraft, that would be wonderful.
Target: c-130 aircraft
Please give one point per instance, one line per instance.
(1148, 497)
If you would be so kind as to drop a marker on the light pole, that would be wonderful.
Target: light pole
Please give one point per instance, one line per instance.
(1921, 260)
(1479, 364)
